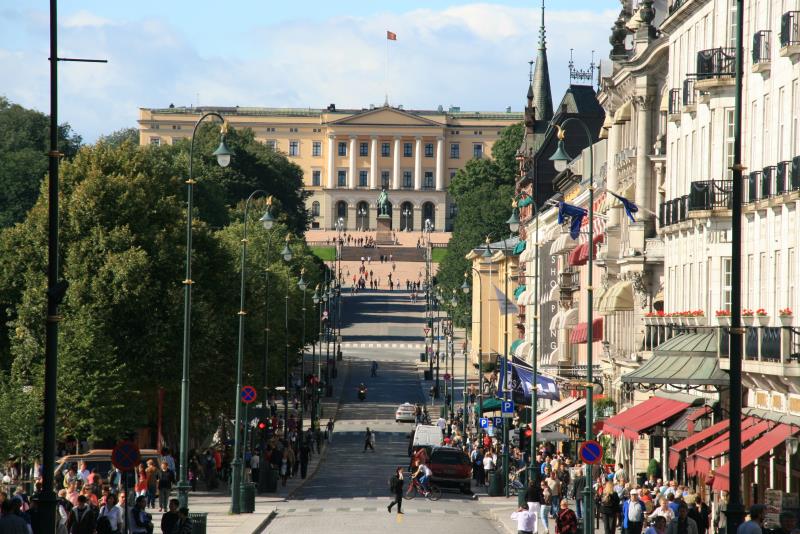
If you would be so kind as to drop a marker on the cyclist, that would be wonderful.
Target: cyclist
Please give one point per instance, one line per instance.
(422, 475)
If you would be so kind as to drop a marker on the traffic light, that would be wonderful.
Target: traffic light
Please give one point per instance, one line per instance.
(262, 425)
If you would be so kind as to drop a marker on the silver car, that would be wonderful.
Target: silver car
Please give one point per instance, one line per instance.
(405, 412)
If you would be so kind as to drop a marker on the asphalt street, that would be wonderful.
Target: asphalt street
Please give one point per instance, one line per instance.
(350, 490)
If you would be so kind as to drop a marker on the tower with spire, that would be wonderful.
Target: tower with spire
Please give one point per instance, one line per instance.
(542, 99)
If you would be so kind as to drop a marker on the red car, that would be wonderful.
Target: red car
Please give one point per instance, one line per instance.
(451, 467)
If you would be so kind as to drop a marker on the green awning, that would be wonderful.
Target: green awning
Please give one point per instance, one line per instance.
(686, 359)
(527, 201)
(519, 291)
(515, 344)
(489, 405)
(519, 248)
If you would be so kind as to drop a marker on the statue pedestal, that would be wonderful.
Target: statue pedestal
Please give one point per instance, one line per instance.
(383, 233)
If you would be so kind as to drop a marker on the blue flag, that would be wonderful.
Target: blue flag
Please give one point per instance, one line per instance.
(628, 205)
(576, 216)
(546, 387)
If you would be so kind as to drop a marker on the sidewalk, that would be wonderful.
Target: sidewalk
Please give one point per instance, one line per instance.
(217, 505)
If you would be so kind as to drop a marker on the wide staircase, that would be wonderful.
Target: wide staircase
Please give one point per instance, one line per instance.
(399, 254)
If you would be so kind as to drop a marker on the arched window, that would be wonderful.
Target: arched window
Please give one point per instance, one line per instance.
(407, 216)
(429, 212)
(341, 209)
(362, 215)
(315, 209)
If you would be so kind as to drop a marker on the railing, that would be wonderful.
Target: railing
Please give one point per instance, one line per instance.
(782, 172)
(794, 175)
(790, 28)
(767, 177)
(674, 211)
(761, 46)
(674, 101)
(710, 194)
(753, 180)
(773, 180)
(569, 280)
(675, 6)
(716, 63)
(688, 91)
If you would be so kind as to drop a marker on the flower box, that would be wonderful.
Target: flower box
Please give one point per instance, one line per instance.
(762, 320)
(786, 320)
(724, 320)
(748, 320)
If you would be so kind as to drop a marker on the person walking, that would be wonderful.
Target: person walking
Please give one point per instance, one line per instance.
(81, 519)
(369, 440)
(165, 480)
(170, 519)
(396, 487)
(633, 514)
(683, 524)
(255, 466)
(566, 520)
(533, 498)
(526, 520)
(610, 508)
(305, 452)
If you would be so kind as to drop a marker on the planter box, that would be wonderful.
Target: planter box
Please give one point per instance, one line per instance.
(786, 320)
(748, 320)
(724, 320)
(762, 320)
(700, 320)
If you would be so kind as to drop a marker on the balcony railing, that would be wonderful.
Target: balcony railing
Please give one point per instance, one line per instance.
(782, 172)
(675, 6)
(674, 102)
(767, 181)
(773, 180)
(569, 280)
(689, 92)
(753, 179)
(790, 28)
(710, 194)
(761, 46)
(674, 211)
(716, 63)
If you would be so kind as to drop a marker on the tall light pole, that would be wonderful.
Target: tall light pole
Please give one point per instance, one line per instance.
(315, 370)
(363, 214)
(560, 160)
(301, 284)
(223, 155)
(465, 289)
(237, 464)
(268, 221)
(406, 214)
(287, 257)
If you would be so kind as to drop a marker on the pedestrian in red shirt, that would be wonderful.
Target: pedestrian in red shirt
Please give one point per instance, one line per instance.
(566, 521)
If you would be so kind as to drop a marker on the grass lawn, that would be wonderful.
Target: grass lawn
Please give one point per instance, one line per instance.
(438, 254)
(325, 253)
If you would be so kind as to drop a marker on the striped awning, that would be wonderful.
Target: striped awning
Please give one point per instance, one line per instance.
(570, 318)
(563, 244)
(555, 322)
(519, 248)
(514, 344)
(526, 297)
(554, 295)
(527, 255)
(619, 297)
(521, 351)
(519, 291)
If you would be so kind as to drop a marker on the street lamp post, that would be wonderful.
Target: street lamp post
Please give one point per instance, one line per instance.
(406, 215)
(237, 464)
(223, 155)
(287, 257)
(363, 214)
(268, 221)
(465, 289)
(560, 160)
(301, 284)
(317, 300)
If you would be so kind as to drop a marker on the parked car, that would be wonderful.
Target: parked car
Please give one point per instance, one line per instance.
(451, 467)
(405, 412)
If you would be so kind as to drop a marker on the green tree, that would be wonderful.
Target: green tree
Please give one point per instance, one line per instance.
(116, 138)
(24, 144)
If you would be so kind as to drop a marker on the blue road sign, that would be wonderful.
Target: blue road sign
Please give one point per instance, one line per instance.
(498, 421)
(126, 456)
(507, 408)
(484, 422)
(590, 452)
(248, 394)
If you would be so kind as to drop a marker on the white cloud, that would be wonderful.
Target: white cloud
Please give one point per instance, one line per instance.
(474, 55)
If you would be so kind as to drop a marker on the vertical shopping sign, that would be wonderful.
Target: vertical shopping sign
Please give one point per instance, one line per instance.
(548, 269)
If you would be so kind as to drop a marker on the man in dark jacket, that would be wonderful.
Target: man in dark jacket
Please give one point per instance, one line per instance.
(396, 487)
(81, 519)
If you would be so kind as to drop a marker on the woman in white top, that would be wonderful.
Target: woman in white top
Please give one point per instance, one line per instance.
(489, 462)
(112, 512)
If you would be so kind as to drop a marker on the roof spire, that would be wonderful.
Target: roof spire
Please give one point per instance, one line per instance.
(543, 100)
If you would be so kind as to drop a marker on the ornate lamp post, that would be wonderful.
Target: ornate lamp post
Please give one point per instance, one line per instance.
(268, 222)
(287, 257)
(560, 160)
(301, 285)
(407, 214)
(223, 155)
(465, 289)
(237, 466)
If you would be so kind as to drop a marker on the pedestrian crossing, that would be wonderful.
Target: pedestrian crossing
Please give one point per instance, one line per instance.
(415, 346)
(360, 509)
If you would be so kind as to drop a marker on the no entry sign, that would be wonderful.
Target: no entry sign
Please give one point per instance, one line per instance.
(248, 394)
(591, 452)
(126, 456)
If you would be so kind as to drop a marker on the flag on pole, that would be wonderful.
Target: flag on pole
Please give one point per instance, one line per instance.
(628, 205)
(391, 35)
(575, 213)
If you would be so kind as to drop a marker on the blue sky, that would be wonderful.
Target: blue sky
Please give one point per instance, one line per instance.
(283, 54)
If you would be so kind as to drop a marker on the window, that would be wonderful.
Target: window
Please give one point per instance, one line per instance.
(316, 148)
(155, 141)
(406, 150)
(763, 279)
(428, 182)
(342, 179)
(729, 139)
(362, 178)
(455, 151)
(316, 178)
(727, 287)
(342, 149)
(294, 148)
(385, 179)
(315, 209)
(777, 281)
(477, 150)
(790, 277)
(155, 126)
(385, 150)
(363, 149)
(751, 277)
(765, 139)
(272, 145)
(732, 24)
(407, 181)
(794, 145)
(452, 174)
(428, 150)
(270, 130)
(781, 123)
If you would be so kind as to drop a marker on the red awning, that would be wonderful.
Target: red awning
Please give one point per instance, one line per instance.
(584, 249)
(579, 332)
(675, 450)
(757, 449)
(701, 460)
(636, 420)
(578, 256)
(692, 418)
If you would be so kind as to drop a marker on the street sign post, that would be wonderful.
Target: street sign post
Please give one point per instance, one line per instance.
(507, 408)
(248, 394)
(498, 422)
(484, 422)
(591, 452)
(126, 456)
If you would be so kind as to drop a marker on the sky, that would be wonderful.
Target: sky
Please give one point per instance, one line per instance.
(280, 54)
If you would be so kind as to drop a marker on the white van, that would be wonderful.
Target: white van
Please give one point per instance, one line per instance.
(427, 436)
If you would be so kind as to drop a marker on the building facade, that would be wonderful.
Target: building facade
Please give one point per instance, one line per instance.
(348, 156)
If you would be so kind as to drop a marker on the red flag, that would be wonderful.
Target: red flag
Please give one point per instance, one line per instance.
(391, 35)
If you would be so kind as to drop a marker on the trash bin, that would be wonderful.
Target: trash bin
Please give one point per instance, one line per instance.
(496, 484)
(423, 357)
(271, 480)
(247, 498)
(427, 375)
(199, 521)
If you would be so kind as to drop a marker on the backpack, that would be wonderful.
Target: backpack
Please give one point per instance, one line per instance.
(104, 525)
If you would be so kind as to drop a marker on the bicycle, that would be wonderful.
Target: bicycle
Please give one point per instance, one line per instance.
(434, 493)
